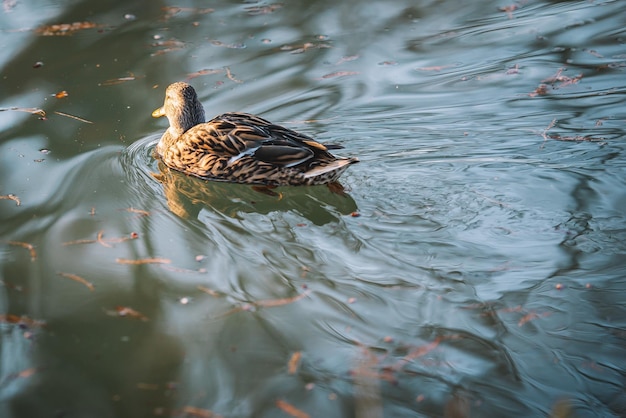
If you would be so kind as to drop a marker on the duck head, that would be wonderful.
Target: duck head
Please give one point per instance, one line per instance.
(182, 109)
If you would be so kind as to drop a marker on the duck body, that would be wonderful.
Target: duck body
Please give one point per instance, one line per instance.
(240, 147)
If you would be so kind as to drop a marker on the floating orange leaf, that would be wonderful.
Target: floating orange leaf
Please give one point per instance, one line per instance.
(126, 311)
(29, 247)
(347, 59)
(208, 291)
(566, 81)
(230, 76)
(270, 303)
(61, 94)
(27, 373)
(294, 362)
(291, 410)
(155, 260)
(168, 46)
(436, 68)
(509, 9)
(526, 318)
(99, 240)
(530, 317)
(541, 90)
(339, 74)
(12, 197)
(23, 320)
(417, 352)
(557, 81)
(207, 71)
(198, 412)
(294, 49)
(138, 211)
(103, 241)
(78, 279)
(64, 28)
(79, 241)
(173, 10)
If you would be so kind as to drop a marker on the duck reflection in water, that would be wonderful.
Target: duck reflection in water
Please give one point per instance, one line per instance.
(187, 196)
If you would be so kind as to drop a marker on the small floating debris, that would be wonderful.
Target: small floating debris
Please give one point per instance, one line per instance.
(31, 110)
(65, 29)
(338, 74)
(294, 362)
(291, 410)
(78, 279)
(12, 197)
(171, 11)
(125, 311)
(28, 246)
(231, 77)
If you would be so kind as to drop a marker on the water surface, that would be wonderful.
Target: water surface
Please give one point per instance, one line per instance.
(474, 267)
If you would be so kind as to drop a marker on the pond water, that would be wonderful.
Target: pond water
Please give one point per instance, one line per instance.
(475, 266)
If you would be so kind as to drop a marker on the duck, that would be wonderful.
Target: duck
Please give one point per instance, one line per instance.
(240, 147)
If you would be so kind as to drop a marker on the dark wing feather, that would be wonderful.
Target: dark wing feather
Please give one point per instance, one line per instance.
(283, 155)
(242, 134)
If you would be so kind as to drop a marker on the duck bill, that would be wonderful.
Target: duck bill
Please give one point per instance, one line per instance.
(158, 112)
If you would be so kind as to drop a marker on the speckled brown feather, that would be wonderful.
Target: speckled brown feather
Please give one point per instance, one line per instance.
(240, 147)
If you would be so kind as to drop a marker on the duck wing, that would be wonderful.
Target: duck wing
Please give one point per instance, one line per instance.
(248, 135)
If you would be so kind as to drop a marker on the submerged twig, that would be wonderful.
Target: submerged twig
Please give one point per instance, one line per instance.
(78, 279)
(67, 115)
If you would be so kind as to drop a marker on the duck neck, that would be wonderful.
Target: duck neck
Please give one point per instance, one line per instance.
(180, 123)
(188, 117)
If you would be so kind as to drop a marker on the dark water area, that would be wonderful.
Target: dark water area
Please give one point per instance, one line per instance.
(475, 266)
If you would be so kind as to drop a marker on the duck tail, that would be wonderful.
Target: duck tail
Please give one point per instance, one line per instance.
(336, 167)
